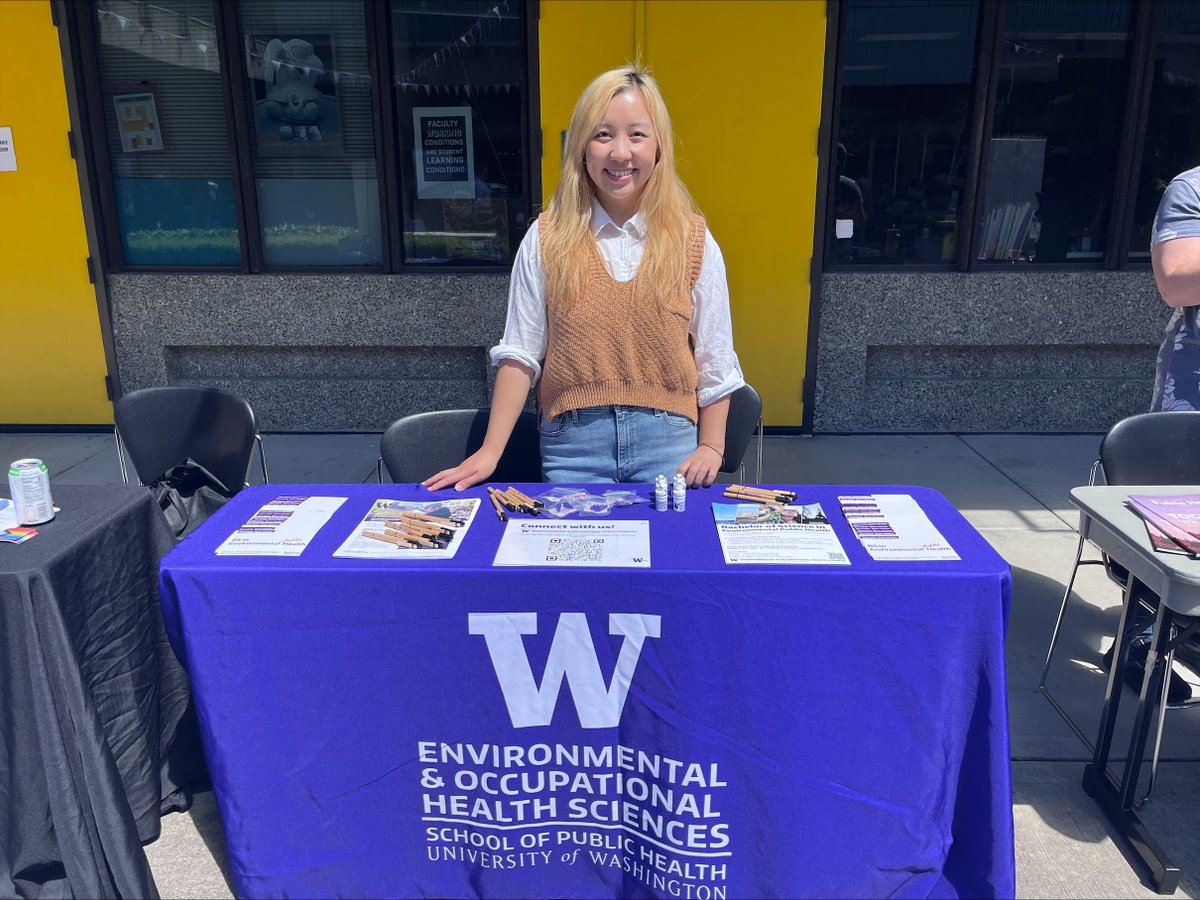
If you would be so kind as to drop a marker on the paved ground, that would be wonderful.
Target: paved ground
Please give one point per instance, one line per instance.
(1013, 488)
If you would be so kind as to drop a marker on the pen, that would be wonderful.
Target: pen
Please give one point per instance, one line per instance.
(439, 520)
(413, 534)
(500, 514)
(389, 538)
(426, 524)
(525, 498)
(515, 500)
(404, 533)
(509, 502)
(780, 495)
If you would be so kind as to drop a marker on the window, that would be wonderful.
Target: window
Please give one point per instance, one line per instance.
(1172, 134)
(312, 139)
(1056, 125)
(165, 136)
(1022, 133)
(903, 132)
(272, 134)
(459, 108)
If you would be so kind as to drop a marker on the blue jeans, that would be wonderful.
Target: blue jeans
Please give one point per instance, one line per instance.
(620, 444)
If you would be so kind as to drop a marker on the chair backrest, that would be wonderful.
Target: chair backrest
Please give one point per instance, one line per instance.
(162, 426)
(1153, 448)
(417, 446)
(745, 414)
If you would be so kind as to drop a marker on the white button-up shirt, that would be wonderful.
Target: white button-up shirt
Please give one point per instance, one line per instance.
(622, 248)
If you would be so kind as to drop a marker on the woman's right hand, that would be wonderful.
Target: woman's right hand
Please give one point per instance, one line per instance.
(475, 468)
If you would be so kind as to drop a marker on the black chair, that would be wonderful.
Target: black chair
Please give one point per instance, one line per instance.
(745, 419)
(417, 446)
(1148, 449)
(160, 427)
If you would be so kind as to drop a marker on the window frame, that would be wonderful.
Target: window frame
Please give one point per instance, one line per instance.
(1143, 26)
(81, 20)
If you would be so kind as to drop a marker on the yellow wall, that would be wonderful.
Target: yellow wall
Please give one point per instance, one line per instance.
(743, 82)
(51, 354)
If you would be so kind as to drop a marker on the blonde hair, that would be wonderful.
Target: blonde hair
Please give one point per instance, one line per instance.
(666, 206)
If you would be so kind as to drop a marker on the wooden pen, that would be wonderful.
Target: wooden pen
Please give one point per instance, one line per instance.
(404, 533)
(525, 498)
(526, 504)
(390, 538)
(510, 503)
(778, 495)
(500, 513)
(427, 524)
(427, 534)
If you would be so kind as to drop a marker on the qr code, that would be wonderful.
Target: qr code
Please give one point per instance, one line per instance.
(575, 550)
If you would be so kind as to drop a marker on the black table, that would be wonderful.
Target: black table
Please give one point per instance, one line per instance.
(1108, 523)
(97, 737)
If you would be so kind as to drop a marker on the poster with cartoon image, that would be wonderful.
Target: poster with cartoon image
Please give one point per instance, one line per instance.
(295, 91)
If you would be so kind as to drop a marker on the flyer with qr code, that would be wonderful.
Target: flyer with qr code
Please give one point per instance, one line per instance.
(601, 544)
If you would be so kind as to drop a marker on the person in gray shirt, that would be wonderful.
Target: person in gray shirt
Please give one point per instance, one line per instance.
(1175, 256)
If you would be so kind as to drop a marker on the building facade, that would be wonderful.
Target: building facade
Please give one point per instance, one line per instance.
(934, 213)
(993, 172)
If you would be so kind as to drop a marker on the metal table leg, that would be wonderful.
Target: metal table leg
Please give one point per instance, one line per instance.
(1118, 801)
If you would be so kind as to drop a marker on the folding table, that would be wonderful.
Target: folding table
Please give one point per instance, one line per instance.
(452, 728)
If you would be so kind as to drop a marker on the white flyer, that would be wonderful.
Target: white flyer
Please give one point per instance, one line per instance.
(616, 544)
(894, 527)
(785, 535)
(8, 514)
(282, 527)
(411, 529)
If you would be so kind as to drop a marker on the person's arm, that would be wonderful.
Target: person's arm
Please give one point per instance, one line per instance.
(718, 373)
(517, 357)
(1177, 270)
(1175, 241)
(703, 464)
(513, 381)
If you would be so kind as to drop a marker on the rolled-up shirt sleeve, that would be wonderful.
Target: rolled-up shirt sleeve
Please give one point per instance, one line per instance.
(717, 368)
(525, 327)
(1178, 214)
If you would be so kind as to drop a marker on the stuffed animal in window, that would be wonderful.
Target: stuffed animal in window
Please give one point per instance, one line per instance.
(291, 70)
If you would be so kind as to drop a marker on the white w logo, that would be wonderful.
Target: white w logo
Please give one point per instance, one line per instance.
(573, 655)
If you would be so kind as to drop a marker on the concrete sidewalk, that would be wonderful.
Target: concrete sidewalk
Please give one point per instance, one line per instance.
(1012, 488)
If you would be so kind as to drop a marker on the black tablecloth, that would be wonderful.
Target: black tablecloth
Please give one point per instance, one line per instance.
(97, 735)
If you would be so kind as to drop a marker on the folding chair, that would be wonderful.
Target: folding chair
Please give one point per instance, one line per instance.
(417, 446)
(745, 419)
(1147, 449)
(160, 427)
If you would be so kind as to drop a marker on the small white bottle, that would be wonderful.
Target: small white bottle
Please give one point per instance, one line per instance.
(660, 493)
(679, 493)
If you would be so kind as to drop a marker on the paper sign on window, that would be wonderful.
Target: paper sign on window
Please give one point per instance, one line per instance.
(137, 122)
(444, 151)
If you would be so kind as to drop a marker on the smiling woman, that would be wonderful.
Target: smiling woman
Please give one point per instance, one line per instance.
(618, 310)
(621, 155)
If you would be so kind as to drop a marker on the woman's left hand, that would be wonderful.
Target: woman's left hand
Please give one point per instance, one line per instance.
(701, 467)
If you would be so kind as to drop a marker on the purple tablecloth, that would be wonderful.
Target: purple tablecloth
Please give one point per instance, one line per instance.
(753, 730)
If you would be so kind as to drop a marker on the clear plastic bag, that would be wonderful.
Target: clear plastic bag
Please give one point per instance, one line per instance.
(561, 502)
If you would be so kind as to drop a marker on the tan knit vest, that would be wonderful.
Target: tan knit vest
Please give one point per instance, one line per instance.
(615, 345)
